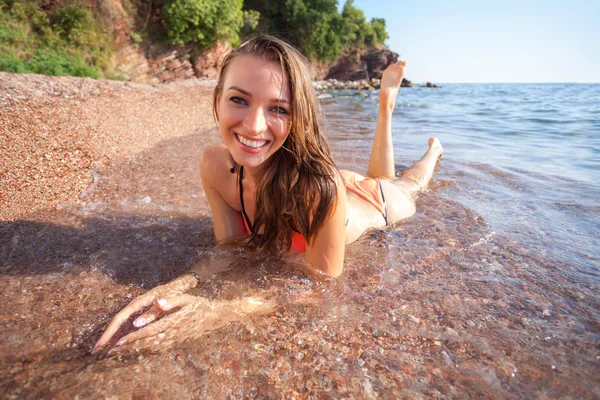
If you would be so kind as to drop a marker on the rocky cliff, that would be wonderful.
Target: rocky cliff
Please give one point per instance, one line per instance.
(359, 65)
(146, 62)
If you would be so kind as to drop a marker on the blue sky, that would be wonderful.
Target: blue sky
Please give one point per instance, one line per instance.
(493, 41)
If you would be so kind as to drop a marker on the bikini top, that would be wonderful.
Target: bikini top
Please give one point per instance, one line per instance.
(298, 241)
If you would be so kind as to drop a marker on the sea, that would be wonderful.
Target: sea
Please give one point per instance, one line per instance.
(491, 290)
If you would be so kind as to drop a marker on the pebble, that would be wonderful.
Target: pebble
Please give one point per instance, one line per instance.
(414, 319)
(546, 313)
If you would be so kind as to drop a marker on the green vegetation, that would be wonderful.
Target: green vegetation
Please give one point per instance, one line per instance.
(317, 28)
(203, 21)
(66, 40)
(314, 26)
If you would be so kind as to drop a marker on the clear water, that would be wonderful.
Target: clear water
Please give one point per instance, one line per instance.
(490, 290)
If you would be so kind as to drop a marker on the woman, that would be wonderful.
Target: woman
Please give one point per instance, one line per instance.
(273, 182)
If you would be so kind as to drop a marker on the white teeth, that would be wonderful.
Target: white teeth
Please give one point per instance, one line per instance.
(252, 143)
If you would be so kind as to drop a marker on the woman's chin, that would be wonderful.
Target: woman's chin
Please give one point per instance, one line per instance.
(250, 161)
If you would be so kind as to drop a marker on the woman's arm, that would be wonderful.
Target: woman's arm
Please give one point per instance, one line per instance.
(325, 252)
(228, 223)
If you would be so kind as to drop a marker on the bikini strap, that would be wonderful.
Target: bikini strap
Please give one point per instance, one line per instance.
(385, 216)
(241, 185)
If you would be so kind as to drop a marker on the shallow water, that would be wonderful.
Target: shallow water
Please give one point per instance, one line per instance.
(490, 290)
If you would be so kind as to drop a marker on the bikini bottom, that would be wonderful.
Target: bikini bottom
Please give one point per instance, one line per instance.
(370, 190)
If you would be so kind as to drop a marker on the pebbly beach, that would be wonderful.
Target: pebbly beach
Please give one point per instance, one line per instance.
(489, 290)
(54, 131)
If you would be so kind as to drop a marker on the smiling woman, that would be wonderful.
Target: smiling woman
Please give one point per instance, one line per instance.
(253, 110)
(273, 182)
(271, 126)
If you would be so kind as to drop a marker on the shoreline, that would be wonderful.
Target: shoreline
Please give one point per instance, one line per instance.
(55, 131)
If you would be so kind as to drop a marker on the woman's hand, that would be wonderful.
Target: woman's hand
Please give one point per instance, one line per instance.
(390, 83)
(150, 298)
(193, 316)
(196, 315)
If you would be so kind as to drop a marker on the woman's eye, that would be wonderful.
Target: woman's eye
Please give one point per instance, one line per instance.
(238, 100)
(280, 110)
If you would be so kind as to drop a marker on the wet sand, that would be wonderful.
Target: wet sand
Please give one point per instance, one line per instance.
(440, 306)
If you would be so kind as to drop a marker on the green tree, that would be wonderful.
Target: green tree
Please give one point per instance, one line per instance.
(378, 25)
(311, 25)
(203, 21)
(251, 20)
(354, 29)
(316, 27)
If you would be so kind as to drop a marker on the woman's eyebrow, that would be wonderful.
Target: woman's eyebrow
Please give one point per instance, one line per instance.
(247, 93)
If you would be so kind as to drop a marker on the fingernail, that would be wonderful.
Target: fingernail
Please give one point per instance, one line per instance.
(164, 304)
(121, 342)
(139, 322)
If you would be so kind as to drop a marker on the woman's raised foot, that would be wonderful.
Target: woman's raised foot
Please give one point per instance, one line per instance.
(390, 83)
(436, 146)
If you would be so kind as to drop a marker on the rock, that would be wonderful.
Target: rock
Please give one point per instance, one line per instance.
(364, 84)
(348, 68)
(378, 60)
(406, 83)
(358, 66)
(546, 313)
(414, 319)
(207, 64)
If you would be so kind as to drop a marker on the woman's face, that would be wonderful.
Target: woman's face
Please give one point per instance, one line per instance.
(254, 109)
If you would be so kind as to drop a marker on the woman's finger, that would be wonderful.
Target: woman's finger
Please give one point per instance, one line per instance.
(164, 304)
(169, 303)
(149, 316)
(153, 330)
(172, 288)
(136, 305)
(162, 341)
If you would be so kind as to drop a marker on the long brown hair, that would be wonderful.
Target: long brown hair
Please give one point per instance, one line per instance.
(297, 190)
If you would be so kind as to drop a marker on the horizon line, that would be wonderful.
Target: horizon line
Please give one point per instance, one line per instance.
(507, 82)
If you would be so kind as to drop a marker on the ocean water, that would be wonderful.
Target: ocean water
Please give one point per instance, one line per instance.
(523, 156)
(491, 290)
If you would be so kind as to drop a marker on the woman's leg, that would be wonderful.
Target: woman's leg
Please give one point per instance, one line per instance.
(417, 177)
(400, 194)
(381, 163)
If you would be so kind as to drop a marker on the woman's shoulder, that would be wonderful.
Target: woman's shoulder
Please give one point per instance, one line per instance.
(216, 158)
(215, 167)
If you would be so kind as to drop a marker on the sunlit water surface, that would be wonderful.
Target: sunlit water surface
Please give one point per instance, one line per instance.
(490, 291)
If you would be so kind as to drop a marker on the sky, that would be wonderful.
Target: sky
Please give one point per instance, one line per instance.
(492, 41)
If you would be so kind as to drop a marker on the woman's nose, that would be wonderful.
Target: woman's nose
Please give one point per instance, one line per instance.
(256, 121)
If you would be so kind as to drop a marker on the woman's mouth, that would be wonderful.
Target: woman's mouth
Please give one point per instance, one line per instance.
(251, 146)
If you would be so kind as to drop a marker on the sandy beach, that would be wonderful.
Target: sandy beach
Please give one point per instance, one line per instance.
(54, 131)
(481, 294)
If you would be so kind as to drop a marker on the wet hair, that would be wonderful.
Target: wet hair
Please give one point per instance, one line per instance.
(298, 188)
